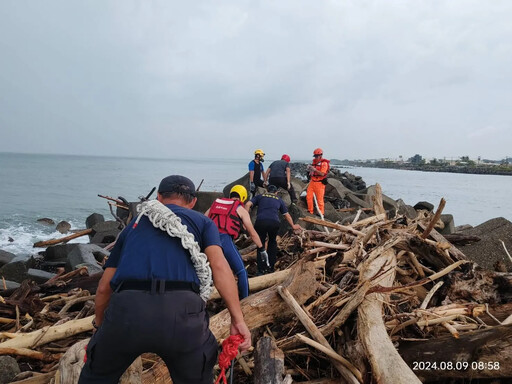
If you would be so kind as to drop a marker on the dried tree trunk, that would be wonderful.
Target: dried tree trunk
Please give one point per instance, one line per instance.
(49, 334)
(487, 352)
(62, 239)
(378, 205)
(268, 362)
(72, 363)
(259, 283)
(266, 307)
(387, 365)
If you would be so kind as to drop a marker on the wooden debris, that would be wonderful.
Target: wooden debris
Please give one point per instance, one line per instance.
(47, 243)
(342, 306)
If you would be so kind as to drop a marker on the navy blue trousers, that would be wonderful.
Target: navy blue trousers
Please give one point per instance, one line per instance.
(236, 263)
(172, 324)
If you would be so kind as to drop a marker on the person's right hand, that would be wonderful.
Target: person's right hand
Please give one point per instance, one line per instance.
(242, 329)
(252, 186)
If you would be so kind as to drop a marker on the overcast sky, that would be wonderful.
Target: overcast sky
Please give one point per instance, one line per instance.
(361, 78)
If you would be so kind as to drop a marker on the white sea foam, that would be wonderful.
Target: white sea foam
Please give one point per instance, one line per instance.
(24, 237)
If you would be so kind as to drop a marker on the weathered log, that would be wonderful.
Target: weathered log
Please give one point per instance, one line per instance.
(44, 378)
(157, 374)
(434, 220)
(327, 245)
(461, 239)
(378, 205)
(329, 224)
(266, 307)
(72, 363)
(25, 352)
(369, 220)
(259, 283)
(47, 334)
(387, 365)
(480, 354)
(345, 368)
(454, 251)
(47, 243)
(268, 362)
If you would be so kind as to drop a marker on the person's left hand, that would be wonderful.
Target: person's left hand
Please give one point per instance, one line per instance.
(242, 329)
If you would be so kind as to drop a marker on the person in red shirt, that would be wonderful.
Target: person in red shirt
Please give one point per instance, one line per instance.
(318, 178)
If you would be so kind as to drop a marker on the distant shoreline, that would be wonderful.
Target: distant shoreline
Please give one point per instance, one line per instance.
(474, 170)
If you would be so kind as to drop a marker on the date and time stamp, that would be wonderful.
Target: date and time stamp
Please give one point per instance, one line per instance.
(455, 365)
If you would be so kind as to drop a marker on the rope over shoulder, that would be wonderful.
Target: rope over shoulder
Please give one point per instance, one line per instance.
(166, 220)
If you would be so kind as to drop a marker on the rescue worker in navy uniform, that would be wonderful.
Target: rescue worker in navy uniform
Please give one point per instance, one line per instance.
(148, 299)
(230, 217)
(279, 174)
(268, 223)
(257, 175)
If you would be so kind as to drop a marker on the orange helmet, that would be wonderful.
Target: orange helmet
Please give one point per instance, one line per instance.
(318, 151)
(285, 158)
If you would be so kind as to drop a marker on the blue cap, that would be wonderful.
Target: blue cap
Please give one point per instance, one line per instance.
(272, 188)
(177, 184)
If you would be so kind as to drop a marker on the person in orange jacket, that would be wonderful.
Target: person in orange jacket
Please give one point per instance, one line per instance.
(318, 178)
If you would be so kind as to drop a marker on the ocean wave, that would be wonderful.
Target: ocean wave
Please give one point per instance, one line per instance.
(24, 236)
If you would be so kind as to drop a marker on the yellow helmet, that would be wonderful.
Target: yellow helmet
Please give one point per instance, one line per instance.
(240, 190)
(259, 152)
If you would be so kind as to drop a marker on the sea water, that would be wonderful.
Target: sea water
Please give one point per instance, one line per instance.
(64, 187)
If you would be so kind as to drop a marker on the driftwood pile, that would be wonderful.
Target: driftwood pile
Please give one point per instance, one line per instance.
(382, 300)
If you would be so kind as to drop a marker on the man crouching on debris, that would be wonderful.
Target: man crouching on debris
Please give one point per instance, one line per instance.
(152, 295)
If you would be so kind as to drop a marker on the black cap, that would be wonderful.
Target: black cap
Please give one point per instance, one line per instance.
(178, 184)
(272, 188)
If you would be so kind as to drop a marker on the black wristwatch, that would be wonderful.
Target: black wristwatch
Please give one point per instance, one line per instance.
(94, 325)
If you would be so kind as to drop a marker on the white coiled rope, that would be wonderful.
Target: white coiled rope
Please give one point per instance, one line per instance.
(163, 218)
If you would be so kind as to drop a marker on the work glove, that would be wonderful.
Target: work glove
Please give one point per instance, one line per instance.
(253, 187)
(288, 186)
(264, 256)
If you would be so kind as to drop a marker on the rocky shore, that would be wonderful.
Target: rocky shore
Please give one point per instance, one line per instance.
(503, 170)
(64, 275)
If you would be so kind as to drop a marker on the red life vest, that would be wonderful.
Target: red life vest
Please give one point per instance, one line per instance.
(223, 213)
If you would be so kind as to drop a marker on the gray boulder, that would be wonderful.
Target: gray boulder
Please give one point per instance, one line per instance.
(285, 196)
(8, 369)
(356, 201)
(63, 227)
(39, 276)
(88, 255)
(406, 210)
(489, 250)
(93, 219)
(6, 257)
(59, 251)
(46, 221)
(463, 227)
(11, 284)
(104, 232)
(244, 180)
(16, 269)
(335, 188)
(448, 224)
(424, 205)
(205, 200)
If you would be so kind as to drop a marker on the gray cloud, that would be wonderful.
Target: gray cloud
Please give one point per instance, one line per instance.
(362, 79)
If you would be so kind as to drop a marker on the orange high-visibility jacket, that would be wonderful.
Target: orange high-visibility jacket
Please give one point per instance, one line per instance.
(323, 166)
